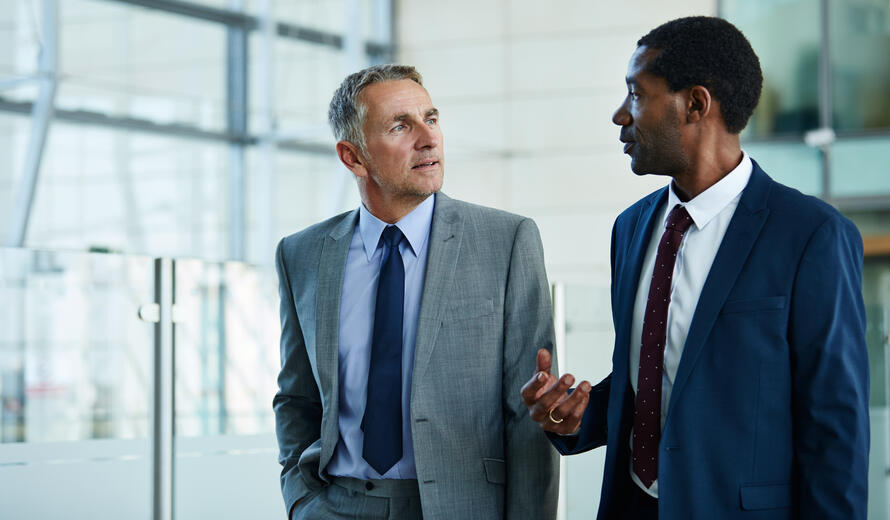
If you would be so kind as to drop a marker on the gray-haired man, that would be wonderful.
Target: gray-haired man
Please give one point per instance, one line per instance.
(408, 327)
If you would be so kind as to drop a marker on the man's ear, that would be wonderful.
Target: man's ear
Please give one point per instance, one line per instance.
(698, 104)
(352, 158)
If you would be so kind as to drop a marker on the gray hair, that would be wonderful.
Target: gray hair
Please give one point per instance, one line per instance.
(347, 114)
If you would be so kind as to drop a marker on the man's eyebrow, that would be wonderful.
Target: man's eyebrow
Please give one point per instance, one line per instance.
(405, 116)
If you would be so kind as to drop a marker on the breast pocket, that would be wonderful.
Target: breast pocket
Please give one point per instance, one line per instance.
(756, 497)
(768, 303)
(469, 308)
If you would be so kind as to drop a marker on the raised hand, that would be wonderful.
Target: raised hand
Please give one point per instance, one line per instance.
(549, 402)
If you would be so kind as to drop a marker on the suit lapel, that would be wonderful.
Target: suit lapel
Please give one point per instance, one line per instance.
(629, 281)
(444, 249)
(331, 266)
(743, 230)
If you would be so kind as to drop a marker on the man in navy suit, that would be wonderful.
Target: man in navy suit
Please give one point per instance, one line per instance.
(739, 384)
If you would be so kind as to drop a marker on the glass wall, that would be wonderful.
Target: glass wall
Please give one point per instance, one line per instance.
(75, 385)
(859, 38)
(161, 67)
(77, 378)
(789, 57)
(112, 190)
(226, 330)
(876, 291)
(829, 69)
(157, 107)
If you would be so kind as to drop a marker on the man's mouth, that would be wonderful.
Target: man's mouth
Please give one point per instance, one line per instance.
(628, 146)
(424, 165)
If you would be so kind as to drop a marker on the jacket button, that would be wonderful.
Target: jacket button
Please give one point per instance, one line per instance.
(369, 486)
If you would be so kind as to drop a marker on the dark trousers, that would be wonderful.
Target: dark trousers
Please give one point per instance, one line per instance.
(636, 504)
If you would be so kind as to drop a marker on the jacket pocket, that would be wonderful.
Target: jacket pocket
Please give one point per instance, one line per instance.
(470, 308)
(765, 496)
(495, 471)
(769, 303)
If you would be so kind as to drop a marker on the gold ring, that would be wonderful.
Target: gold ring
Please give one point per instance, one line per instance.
(554, 420)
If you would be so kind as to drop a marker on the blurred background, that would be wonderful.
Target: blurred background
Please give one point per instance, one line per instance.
(152, 153)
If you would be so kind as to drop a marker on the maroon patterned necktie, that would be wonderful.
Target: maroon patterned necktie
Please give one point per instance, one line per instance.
(647, 406)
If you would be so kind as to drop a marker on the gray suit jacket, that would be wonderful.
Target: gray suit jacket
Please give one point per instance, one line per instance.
(484, 312)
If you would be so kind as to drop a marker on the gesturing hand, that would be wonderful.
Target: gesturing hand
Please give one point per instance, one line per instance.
(548, 401)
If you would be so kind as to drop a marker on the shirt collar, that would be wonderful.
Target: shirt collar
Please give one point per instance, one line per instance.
(415, 226)
(713, 200)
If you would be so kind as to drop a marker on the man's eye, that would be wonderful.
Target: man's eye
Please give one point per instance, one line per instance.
(398, 128)
(432, 121)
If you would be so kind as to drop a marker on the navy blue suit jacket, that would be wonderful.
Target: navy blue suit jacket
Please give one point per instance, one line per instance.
(768, 417)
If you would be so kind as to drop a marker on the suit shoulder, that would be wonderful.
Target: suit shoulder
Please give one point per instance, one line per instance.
(479, 213)
(804, 211)
(311, 235)
(632, 213)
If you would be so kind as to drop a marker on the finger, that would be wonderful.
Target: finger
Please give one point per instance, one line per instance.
(566, 416)
(544, 360)
(549, 381)
(533, 387)
(539, 412)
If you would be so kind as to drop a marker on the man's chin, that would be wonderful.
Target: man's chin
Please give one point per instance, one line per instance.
(638, 168)
(641, 169)
(429, 188)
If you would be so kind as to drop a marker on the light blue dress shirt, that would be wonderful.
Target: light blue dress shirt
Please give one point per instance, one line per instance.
(357, 302)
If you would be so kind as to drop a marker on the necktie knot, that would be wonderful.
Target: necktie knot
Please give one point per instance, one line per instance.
(679, 219)
(392, 235)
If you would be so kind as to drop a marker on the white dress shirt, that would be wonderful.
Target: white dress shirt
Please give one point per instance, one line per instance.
(711, 212)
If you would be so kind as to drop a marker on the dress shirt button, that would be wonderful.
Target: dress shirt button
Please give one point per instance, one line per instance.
(369, 486)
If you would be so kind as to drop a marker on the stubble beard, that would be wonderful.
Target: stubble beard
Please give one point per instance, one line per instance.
(404, 191)
(664, 155)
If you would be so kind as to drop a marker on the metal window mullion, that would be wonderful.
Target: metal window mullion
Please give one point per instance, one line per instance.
(247, 22)
(41, 113)
(236, 124)
(264, 175)
(163, 392)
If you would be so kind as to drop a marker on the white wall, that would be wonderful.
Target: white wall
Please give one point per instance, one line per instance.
(526, 90)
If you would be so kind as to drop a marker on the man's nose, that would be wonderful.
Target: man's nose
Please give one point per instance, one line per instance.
(621, 117)
(428, 136)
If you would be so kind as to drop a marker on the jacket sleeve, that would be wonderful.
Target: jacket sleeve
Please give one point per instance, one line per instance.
(593, 431)
(830, 375)
(532, 464)
(297, 403)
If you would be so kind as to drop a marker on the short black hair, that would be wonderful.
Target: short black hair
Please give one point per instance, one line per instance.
(708, 51)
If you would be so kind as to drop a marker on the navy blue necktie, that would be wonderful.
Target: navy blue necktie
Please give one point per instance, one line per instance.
(382, 422)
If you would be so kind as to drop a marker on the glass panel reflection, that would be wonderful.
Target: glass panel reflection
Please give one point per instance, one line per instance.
(588, 355)
(789, 57)
(876, 293)
(143, 63)
(860, 63)
(226, 348)
(131, 192)
(73, 353)
(75, 385)
(306, 75)
(20, 22)
(226, 368)
(793, 164)
(859, 167)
